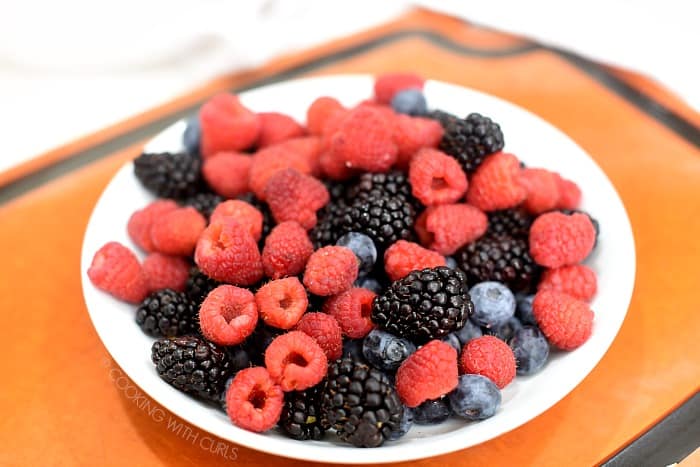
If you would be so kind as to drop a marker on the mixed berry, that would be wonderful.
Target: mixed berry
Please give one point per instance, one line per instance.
(381, 266)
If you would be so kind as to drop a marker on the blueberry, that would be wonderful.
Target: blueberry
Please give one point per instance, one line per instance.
(531, 350)
(239, 357)
(431, 412)
(450, 262)
(404, 426)
(453, 340)
(505, 331)
(494, 303)
(410, 101)
(192, 135)
(386, 351)
(475, 398)
(364, 249)
(468, 332)
(524, 309)
(352, 348)
(370, 283)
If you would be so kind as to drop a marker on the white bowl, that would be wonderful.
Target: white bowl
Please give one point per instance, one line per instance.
(535, 141)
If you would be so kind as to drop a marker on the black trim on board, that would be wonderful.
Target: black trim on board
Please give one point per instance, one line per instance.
(671, 438)
(667, 117)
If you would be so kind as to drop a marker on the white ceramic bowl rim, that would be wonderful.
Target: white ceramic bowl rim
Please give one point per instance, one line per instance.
(531, 138)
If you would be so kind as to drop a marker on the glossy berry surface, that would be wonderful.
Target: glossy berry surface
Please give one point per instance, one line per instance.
(431, 412)
(364, 249)
(475, 398)
(494, 303)
(531, 350)
(386, 351)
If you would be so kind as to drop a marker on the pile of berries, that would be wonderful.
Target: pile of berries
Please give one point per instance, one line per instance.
(380, 266)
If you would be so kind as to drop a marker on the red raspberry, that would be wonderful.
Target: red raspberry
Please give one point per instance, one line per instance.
(166, 272)
(576, 280)
(436, 178)
(227, 125)
(242, 213)
(403, 257)
(227, 173)
(293, 196)
(558, 240)
(227, 252)
(489, 356)
(282, 302)
(352, 310)
(413, 133)
(296, 361)
(428, 373)
(331, 126)
(335, 169)
(228, 315)
(384, 110)
(326, 331)
(364, 141)
(276, 127)
(388, 84)
(116, 270)
(141, 221)
(307, 148)
(497, 183)
(287, 249)
(448, 227)
(542, 190)
(176, 232)
(331, 270)
(253, 401)
(269, 161)
(320, 111)
(565, 321)
(569, 193)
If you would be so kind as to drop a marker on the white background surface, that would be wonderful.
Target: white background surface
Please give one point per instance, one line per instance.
(71, 67)
(536, 142)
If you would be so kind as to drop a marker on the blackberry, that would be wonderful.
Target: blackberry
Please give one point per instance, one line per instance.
(424, 305)
(199, 285)
(501, 258)
(445, 118)
(192, 365)
(472, 139)
(327, 230)
(301, 414)
(336, 190)
(167, 313)
(170, 175)
(268, 220)
(204, 202)
(514, 222)
(360, 404)
(384, 219)
(381, 185)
